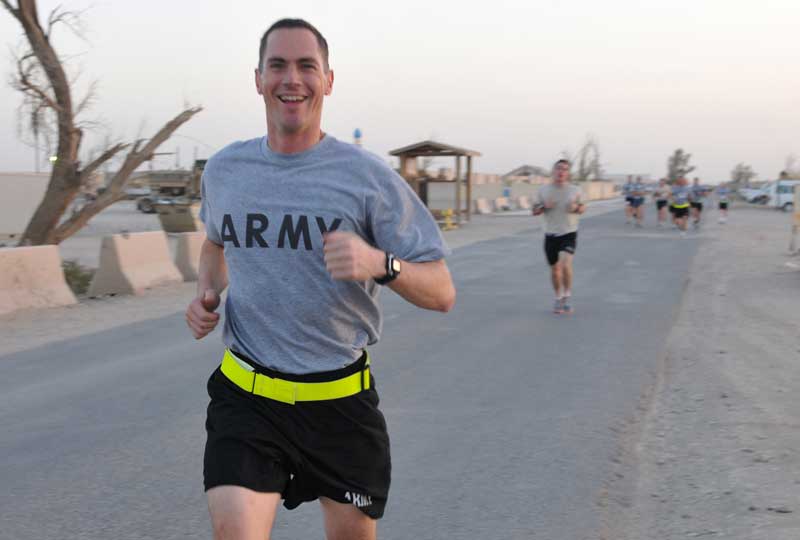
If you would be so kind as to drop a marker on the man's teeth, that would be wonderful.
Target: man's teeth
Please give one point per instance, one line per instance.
(293, 99)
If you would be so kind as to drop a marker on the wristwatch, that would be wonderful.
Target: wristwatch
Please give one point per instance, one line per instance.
(392, 270)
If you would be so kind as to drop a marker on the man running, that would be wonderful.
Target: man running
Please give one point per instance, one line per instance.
(627, 192)
(680, 202)
(698, 197)
(560, 204)
(723, 198)
(661, 196)
(303, 230)
(637, 201)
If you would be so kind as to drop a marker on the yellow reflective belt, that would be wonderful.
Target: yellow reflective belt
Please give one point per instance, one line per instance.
(291, 391)
(686, 205)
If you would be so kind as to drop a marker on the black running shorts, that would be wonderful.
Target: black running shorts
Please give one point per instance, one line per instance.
(661, 204)
(680, 212)
(723, 206)
(553, 245)
(337, 448)
(636, 202)
(697, 206)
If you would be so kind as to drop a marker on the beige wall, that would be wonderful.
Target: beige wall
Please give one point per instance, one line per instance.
(441, 195)
(20, 194)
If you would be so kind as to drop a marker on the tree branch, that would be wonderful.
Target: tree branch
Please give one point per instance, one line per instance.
(11, 9)
(24, 83)
(105, 156)
(137, 155)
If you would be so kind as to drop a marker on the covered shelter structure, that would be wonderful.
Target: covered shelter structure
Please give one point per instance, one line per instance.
(431, 149)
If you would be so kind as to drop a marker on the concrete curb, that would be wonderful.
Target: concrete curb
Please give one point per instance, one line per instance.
(131, 263)
(187, 254)
(32, 277)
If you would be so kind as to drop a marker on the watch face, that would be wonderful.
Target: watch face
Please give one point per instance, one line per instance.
(395, 265)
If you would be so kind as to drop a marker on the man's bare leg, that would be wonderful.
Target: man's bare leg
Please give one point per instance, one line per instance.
(239, 513)
(346, 522)
(565, 261)
(556, 277)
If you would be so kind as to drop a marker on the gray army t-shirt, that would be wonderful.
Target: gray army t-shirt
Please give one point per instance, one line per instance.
(270, 211)
(558, 220)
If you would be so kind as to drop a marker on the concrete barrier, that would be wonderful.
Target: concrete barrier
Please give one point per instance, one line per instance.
(131, 263)
(502, 203)
(595, 191)
(482, 206)
(32, 277)
(187, 254)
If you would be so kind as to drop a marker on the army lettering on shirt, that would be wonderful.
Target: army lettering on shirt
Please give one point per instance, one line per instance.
(293, 230)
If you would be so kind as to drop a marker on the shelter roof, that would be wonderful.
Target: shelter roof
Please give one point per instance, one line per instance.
(432, 148)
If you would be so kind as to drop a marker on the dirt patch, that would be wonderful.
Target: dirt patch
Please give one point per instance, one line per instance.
(718, 451)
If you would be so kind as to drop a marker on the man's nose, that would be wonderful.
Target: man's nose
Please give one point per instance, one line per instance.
(291, 75)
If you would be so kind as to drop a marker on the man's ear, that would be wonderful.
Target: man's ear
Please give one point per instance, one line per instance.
(329, 77)
(257, 80)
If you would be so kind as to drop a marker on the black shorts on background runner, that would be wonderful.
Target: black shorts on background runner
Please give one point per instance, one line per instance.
(723, 206)
(660, 204)
(680, 212)
(697, 206)
(336, 448)
(554, 244)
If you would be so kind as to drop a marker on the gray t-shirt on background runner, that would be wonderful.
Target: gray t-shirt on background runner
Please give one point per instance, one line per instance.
(558, 220)
(699, 194)
(269, 211)
(681, 195)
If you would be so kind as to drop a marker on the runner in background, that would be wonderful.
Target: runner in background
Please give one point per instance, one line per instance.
(661, 196)
(723, 198)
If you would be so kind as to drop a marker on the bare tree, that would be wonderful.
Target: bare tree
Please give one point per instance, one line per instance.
(792, 167)
(588, 161)
(47, 99)
(678, 165)
(742, 174)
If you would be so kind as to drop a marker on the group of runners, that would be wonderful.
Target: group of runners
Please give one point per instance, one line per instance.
(560, 205)
(684, 202)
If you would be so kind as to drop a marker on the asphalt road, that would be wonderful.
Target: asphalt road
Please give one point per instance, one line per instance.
(503, 416)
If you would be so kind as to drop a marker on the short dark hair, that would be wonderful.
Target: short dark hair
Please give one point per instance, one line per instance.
(562, 160)
(294, 23)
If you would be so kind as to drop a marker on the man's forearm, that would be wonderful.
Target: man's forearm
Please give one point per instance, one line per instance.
(212, 269)
(427, 285)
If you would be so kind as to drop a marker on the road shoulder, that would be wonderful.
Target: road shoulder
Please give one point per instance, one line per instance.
(718, 449)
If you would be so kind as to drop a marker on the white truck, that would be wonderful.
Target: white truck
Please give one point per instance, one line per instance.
(778, 194)
(781, 194)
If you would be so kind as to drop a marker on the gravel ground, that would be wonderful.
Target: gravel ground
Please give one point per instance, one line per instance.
(717, 453)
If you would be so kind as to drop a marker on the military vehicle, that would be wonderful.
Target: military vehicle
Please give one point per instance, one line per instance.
(171, 186)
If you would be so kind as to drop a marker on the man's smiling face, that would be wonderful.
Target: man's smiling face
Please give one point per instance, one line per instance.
(293, 80)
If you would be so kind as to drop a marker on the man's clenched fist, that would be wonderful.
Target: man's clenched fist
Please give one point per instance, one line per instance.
(201, 316)
(349, 258)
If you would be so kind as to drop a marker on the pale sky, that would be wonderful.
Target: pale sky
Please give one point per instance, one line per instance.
(517, 81)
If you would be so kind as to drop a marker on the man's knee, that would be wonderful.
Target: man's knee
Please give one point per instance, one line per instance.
(238, 513)
(346, 522)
